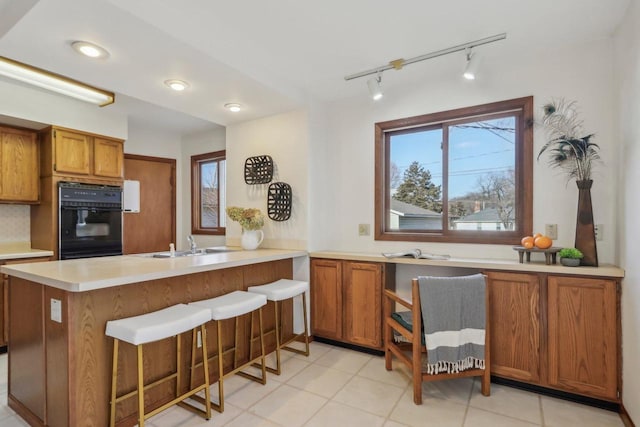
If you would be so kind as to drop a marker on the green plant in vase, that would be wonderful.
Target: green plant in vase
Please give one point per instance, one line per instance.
(570, 150)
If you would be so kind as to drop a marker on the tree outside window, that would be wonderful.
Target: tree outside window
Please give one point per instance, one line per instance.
(208, 196)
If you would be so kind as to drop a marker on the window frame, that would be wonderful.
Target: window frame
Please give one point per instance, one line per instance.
(523, 173)
(196, 196)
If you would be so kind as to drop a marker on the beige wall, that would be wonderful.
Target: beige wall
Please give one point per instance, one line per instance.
(627, 65)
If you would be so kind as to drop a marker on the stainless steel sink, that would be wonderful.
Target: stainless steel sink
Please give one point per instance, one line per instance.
(198, 252)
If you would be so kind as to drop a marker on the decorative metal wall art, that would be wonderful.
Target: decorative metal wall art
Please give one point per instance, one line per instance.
(258, 170)
(279, 201)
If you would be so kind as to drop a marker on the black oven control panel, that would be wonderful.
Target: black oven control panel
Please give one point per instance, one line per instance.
(88, 195)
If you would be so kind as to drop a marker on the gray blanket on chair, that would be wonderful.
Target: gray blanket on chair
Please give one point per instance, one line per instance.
(453, 312)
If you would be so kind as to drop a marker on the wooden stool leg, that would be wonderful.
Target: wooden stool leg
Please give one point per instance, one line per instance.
(114, 380)
(194, 341)
(140, 387)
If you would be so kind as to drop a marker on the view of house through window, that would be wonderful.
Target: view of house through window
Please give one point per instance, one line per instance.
(208, 196)
(464, 177)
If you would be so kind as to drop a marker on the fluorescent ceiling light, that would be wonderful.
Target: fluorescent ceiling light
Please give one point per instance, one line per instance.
(177, 85)
(233, 107)
(54, 82)
(89, 49)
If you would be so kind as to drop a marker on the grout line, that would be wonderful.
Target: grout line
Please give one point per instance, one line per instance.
(542, 421)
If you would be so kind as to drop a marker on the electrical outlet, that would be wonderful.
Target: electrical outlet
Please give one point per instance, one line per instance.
(551, 231)
(56, 310)
(363, 229)
(599, 230)
(199, 339)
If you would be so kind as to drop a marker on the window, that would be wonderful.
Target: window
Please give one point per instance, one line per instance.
(462, 176)
(208, 185)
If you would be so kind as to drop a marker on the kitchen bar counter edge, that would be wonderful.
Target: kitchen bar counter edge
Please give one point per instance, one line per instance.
(82, 275)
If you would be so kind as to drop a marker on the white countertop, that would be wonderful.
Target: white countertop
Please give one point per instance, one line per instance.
(604, 270)
(80, 275)
(19, 250)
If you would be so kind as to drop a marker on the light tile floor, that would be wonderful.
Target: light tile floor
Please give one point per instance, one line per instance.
(336, 387)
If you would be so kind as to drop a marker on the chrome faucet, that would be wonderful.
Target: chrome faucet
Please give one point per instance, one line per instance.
(192, 242)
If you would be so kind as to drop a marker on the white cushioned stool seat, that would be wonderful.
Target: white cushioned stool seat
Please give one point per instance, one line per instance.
(233, 304)
(158, 325)
(281, 289)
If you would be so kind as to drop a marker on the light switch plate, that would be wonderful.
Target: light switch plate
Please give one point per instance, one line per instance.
(551, 231)
(364, 229)
(56, 310)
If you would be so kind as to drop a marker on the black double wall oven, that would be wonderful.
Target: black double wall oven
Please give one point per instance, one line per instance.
(90, 220)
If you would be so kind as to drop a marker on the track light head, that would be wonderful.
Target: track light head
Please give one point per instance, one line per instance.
(375, 88)
(472, 65)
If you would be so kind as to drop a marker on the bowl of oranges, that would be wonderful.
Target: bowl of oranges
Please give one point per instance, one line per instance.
(537, 243)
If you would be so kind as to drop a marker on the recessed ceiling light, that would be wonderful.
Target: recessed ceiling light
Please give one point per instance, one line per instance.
(177, 85)
(233, 107)
(89, 49)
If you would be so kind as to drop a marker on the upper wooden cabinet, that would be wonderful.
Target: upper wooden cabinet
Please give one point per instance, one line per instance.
(19, 172)
(77, 154)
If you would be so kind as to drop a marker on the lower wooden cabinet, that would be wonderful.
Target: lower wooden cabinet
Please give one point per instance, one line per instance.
(346, 300)
(515, 325)
(583, 341)
(560, 332)
(4, 296)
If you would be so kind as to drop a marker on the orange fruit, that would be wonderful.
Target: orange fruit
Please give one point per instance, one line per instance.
(527, 242)
(535, 236)
(543, 242)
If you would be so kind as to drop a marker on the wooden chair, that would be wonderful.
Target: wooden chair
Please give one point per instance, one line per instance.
(413, 351)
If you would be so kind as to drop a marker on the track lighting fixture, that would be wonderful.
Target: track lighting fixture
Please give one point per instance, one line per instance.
(472, 65)
(375, 88)
(398, 64)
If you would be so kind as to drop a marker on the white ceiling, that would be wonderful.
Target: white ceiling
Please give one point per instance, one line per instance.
(276, 55)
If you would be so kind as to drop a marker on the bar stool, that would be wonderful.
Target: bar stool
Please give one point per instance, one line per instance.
(279, 291)
(151, 327)
(234, 305)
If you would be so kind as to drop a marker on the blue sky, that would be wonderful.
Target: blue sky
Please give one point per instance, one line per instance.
(473, 152)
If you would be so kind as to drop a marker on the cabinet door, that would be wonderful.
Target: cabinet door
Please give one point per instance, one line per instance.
(326, 298)
(19, 168)
(363, 303)
(107, 158)
(515, 325)
(583, 340)
(71, 152)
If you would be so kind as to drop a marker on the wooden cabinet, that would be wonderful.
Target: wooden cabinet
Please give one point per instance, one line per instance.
(82, 155)
(346, 300)
(72, 152)
(326, 298)
(108, 158)
(4, 296)
(583, 341)
(555, 331)
(515, 325)
(19, 172)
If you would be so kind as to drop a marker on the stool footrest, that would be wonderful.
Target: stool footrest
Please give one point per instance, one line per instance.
(178, 400)
(146, 387)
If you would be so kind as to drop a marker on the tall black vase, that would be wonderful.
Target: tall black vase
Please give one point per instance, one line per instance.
(585, 231)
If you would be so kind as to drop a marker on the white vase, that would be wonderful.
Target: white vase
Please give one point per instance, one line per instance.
(251, 239)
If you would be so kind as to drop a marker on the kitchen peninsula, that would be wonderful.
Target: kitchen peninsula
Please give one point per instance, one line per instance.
(59, 356)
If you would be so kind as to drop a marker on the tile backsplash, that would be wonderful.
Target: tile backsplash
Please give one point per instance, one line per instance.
(15, 223)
